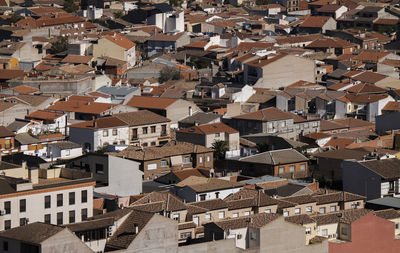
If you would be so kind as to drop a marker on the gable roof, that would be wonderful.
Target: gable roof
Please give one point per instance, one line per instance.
(208, 184)
(276, 157)
(386, 168)
(120, 41)
(209, 129)
(34, 233)
(267, 114)
(256, 221)
(151, 102)
(4, 132)
(315, 21)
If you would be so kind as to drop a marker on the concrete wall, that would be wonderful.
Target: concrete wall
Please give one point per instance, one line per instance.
(220, 246)
(284, 237)
(286, 71)
(180, 110)
(156, 236)
(360, 180)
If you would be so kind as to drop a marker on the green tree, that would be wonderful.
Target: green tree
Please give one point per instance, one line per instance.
(15, 18)
(169, 73)
(60, 45)
(263, 146)
(118, 14)
(70, 6)
(220, 148)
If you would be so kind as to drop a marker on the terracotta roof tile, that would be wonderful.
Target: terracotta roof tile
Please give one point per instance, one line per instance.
(120, 41)
(315, 21)
(151, 102)
(267, 114)
(209, 129)
(24, 89)
(44, 115)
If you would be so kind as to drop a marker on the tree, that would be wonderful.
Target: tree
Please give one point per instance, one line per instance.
(263, 146)
(60, 45)
(169, 73)
(118, 14)
(69, 6)
(220, 148)
(15, 17)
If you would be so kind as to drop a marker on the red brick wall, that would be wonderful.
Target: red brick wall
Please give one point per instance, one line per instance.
(369, 234)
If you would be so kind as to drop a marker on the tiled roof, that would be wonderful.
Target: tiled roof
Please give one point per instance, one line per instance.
(120, 41)
(392, 106)
(317, 136)
(342, 154)
(260, 198)
(34, 233)
(315, 21)
(336, 197)
(265, 61)
(387, 168)
(388, 214)
(142, 117)
(255, 221)
(329, 8)
(167, 150)
(91, 224)
(126, 233)
(369, 77)
(151, 102)
(327, 125)
(370, 56)
(165, 37)
(339, 142)
(41, 114)
(77, 59)
(183, 174)
(300, 219)
(267, 114)
(300, 199)
(8, 74)
(365, 88)
(4, 132)
(363, 98)
(24, 89)
(276, 157)
(156, 200)
(329, 43)
(209, 129)
(212, 204)
(81, 106)
(100, 123)
(213, 184)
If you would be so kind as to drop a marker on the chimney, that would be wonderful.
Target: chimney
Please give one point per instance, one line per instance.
(190, 111)
(136, 228)
(34, 175)
(25, 168)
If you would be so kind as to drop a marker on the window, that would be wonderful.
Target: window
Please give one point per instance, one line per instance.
(391, 185)
(221, 215)
(308, 209)
(267, 210)
(186, 159)
(302, 167)
(186, 235)
(247, 213)
(208, 216)
(291, 168)
(84, 214)
(7, 224)
(122, 143)
(152, 166)
(7, 144)
(22, 205)
(5, 246)
(7, 207)
(202, 197)
(281, 170)
(47, 218)
(153, 143)
(145, 144)
(144, 130)
(22, 222)
(59, 218)
(217, 195)
(115, 132)
(396, 225)
(105, 133)
(333, 208)
(208, 158)
(163, 129)
(344, 230)
(153, 129)
(353, 206)
(99, 168)
(72, 198)
(164, 163)
(200, 159)
(134, 133)
(308, 231)
(217, 134)
(47, 201)
(59, 200)
(71, 216)
(322, 210)
(84, 196)
(175, 216)
(235, 215)
(286, 213)
(324, 232)
(297, 211)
